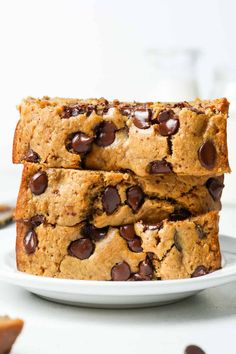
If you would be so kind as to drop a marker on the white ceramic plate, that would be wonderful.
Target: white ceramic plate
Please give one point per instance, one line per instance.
(117, 294)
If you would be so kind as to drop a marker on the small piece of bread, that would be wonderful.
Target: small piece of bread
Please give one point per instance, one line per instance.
(6, 214)
(9, 331)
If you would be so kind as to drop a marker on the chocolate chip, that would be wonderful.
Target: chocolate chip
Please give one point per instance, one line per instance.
(159, 167)
(207, 155)
(193, 349)
(105, 133)
(95, 233)
(176, 242)
(120, 272)
(73, 111)
(127, 232)
(139, 277)
(215, 187)
(110, 199)
(81, 143)
(125, 110)
(135, 197)
(38, 183)
(82, 248)
(199, 271)
(145, 268)
(200, 231)
(150, 256)
(165, 115)
(168, 122)
(142, 118)
(135, 245)
(169, 127)
(32, 156)
(180, 214)
(30, 242)
(90, 108)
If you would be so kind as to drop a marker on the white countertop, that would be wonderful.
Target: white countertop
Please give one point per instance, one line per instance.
(208, 320)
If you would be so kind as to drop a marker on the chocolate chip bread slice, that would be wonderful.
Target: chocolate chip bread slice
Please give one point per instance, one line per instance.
(67, 197)
(187, 138)
(168, 250)
(9, 331)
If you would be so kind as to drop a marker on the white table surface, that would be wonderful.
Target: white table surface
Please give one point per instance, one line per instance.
(207, 319)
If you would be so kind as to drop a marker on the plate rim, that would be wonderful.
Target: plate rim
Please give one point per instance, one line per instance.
(108, 288)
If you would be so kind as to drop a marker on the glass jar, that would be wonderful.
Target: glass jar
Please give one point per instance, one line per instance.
(174, 74)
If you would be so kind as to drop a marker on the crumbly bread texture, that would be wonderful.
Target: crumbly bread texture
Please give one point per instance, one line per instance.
(9, 331)
(67, 197)
(169, 250)
(187, 138)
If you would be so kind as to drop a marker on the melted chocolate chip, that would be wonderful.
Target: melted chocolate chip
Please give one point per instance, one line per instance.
(73, 110)
(127, 232)
(199, 271)
(180, 214)
(95, 233)
(135, 245)
(200, 231)
(145, 268)
(32, 156)
(38, 183)
(105, 134)
(169, 127)
(165, 115)
(120, 272)
(82, 248)
(125, 110)
(193, 349)
(207, 155)
(215, 187)
(81, 143)
(159, 167)
(176, 242)
(142, 118)
(110, 199)
(135, 197)
(30, 242)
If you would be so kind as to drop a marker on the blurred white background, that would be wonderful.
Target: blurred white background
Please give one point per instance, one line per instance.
(94, 48)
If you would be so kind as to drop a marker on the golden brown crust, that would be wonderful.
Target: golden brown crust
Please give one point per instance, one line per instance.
(42, 129)
(177, 249)
(73, 196)
(9, 331)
